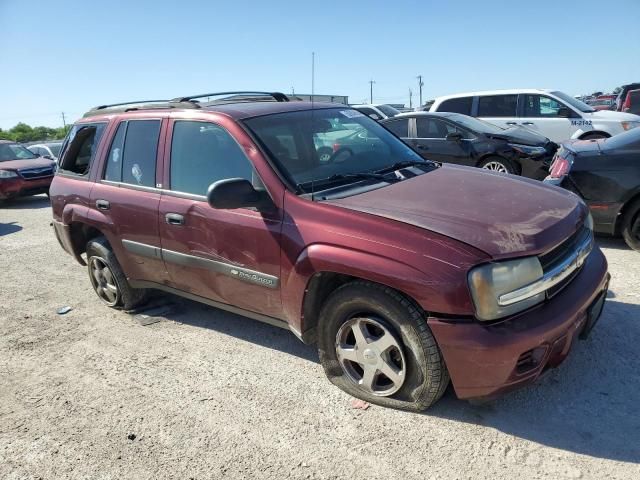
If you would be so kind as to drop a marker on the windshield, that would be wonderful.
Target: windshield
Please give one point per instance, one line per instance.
(388, 110)
(14, 151)
(475, 124)
(55, 149)
(577, 104)
(313, 145)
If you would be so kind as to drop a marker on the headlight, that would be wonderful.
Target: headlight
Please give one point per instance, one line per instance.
(488, 282)
(7, 174)
(589, 222)
(528, 150)
(629, 125)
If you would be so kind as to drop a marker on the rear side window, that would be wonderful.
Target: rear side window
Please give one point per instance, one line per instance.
(457, 105)
(497, 106)
(80, 148)
(132, 156)
(203, 153)
(400, 127)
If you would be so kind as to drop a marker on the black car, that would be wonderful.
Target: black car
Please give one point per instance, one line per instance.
(606, 174)
(456, 138)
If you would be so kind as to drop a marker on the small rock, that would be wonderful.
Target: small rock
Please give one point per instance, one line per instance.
(131, 436)
(359, 404)
(64, 310)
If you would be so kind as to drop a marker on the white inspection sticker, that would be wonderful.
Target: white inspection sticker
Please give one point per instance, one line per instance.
(351, 113)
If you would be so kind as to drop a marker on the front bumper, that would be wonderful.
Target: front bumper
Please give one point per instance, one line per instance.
(17, 187)
(485, 361)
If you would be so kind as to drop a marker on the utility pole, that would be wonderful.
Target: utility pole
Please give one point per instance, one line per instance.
(313, 74)
(371, 82)
(410, 99)
(64, 122)
(420, 84)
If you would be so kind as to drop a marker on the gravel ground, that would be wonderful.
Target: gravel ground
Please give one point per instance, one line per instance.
(207, 394)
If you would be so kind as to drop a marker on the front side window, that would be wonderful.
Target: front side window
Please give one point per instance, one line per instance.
(541, 106)
(497, 106)
(457, 105)
(433, 128)
(358, 144)
(203, 153)
(80, 148)
(399, 127)
(133, 151)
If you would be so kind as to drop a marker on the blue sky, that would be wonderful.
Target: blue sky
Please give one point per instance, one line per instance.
(68, 56)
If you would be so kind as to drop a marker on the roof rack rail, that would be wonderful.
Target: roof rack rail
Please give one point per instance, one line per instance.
(102, 107)
(277, 96)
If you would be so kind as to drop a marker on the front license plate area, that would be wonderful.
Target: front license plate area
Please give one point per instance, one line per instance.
(593, 314)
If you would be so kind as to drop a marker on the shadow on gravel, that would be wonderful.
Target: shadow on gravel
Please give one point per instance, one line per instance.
(612, 242)
(199, 315)
(27, 203)
(589, 405)
(9, 228)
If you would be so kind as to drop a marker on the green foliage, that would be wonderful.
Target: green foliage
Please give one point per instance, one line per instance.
(25, 133)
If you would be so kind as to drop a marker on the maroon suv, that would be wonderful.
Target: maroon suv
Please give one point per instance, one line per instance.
(406, 273)
(22, 172)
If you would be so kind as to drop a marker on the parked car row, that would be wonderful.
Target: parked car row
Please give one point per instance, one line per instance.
(407, 274)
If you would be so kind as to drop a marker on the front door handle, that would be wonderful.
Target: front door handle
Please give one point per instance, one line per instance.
(103, 204)
(527, 123)
(174, 219)
(511, 123)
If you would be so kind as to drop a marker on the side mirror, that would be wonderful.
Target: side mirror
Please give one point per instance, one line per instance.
(564, 112)
(453, 137)
(236, 193)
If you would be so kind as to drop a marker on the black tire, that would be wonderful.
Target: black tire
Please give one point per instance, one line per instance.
(425, 376)
(124, 297)
(630, 225)
(593, 136)
(507, 165)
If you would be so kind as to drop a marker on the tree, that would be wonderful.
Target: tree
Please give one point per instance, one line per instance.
(23, 133)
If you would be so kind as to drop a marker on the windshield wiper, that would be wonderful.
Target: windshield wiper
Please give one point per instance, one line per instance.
(346, 176)
(404, 164)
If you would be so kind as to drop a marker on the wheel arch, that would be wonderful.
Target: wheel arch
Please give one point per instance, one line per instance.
(321, 269)
(590, 133)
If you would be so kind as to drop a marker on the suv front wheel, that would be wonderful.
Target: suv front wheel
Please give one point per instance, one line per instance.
(108, 279)
(375, 345)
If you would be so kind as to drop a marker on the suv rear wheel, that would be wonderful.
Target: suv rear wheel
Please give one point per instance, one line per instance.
(108, 279)
(375, 344)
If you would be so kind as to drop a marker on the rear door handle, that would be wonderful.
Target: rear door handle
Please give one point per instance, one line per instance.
(527, 123)
(174, 219)
(511, 123)
(103, 204)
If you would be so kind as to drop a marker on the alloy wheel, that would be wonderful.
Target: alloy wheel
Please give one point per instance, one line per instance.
(371, 356)
(495, 166)
(103, 281)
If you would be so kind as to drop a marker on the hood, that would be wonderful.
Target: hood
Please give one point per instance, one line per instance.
(502, 215)
(28, 163)
(612, 116)
(520, 135)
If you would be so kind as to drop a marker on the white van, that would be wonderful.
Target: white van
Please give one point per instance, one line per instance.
(551, 113)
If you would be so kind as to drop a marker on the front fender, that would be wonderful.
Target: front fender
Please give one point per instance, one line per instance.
(436, 290)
